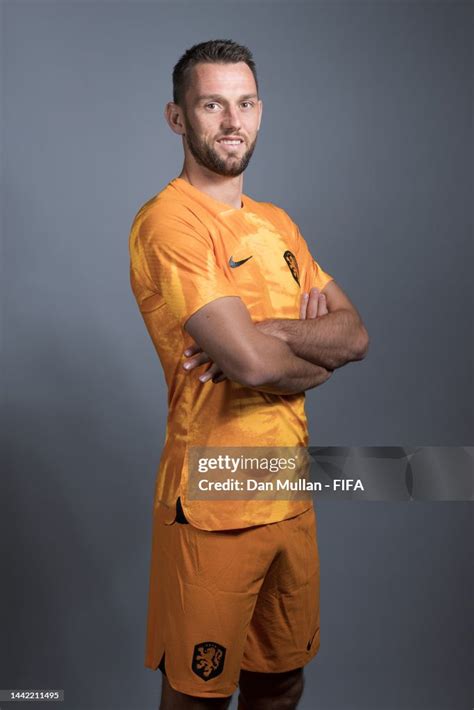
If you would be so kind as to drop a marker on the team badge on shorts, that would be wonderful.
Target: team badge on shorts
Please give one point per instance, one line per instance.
(290, 259)
(208, 659)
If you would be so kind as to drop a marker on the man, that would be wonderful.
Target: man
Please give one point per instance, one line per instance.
(226, 282)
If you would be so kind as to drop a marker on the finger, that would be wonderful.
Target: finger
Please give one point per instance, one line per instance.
(322, 305)
(219, 378)
(210, 372)
(303, 305)
(192, 349)
(195, 361)
(312, 310)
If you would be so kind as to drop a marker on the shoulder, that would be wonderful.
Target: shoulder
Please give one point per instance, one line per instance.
(166, 218)
(164, 206)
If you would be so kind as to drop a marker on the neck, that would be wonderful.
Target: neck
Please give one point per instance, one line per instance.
(224, 189)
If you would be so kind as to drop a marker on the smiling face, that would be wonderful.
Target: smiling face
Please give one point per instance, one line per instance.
(221, 103)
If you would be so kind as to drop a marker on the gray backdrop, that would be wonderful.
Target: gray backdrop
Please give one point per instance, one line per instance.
(366, 141)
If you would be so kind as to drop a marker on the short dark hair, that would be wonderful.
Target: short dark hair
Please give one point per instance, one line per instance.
(215, 50)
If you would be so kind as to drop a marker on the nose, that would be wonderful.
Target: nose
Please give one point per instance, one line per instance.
(231, 118)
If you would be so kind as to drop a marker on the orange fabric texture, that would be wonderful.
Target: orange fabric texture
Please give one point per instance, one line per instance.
(224, 601)
(182, 244)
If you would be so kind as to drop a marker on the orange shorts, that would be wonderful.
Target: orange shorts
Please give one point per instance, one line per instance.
(226, 600)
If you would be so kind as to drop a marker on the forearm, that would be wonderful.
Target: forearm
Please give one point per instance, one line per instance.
(330, 340)
(283, 372)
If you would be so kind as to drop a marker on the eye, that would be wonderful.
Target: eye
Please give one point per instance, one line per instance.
(213, 103)
(250, 103)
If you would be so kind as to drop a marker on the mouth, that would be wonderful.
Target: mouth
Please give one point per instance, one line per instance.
(230, 143)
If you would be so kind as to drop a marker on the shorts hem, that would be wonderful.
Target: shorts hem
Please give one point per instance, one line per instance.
(282, 668)
(153, 666)
(187, 690)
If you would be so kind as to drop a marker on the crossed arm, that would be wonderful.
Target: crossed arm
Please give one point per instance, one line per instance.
(281, 356)
(331, 335)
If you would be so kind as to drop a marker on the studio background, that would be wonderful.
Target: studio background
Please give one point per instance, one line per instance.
(366, 141)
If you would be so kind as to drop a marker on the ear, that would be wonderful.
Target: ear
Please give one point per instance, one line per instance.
(174, 117)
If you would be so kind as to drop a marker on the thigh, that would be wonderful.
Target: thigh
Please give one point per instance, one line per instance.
(258, 689)
(254, 684)
(284, 631)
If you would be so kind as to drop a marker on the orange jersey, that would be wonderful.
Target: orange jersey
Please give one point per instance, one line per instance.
(186, 250)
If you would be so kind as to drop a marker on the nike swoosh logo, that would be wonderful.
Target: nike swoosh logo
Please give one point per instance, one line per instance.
(233, 264)
(310, 642)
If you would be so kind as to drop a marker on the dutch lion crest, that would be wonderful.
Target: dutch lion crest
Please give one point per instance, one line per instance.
(290, 259)
(208, 659)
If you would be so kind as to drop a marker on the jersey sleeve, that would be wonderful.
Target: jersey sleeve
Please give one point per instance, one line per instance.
(311, 273)
(175, 256)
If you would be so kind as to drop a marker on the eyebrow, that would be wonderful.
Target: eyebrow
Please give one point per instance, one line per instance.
(222, 98)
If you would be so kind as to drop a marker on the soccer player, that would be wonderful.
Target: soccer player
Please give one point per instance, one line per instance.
(244, 320)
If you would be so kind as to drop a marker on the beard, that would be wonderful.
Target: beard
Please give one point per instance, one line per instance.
(208, 157)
